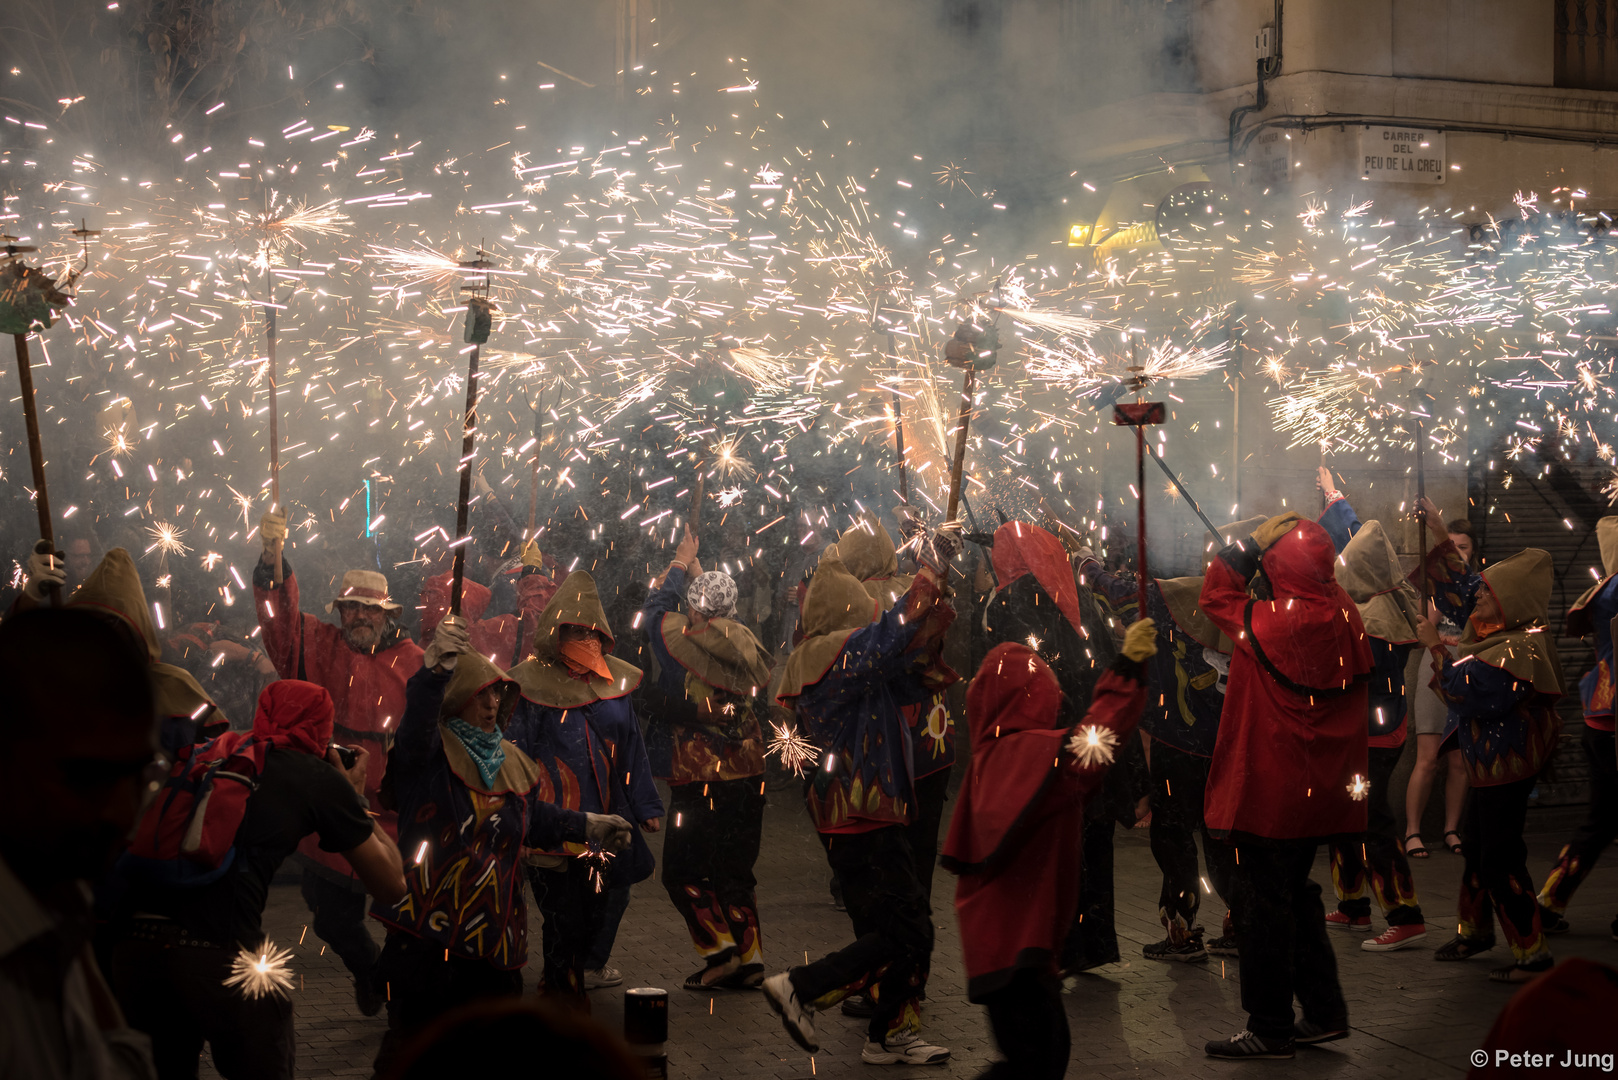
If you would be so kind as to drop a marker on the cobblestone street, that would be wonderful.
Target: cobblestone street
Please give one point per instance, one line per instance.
(1411, 1017)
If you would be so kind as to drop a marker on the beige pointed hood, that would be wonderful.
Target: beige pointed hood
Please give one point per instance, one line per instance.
(1578, 619)
(1522, 587)
(546, 680)
(724, 654)
(1368, 569)
(867, 550)
(518, 772)
(114, 588)
(1183, 595)
(836, 605)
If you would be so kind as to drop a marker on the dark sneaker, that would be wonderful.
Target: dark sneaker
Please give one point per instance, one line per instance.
(1308, 1033)
(859, 1006)
(796, 1017)
(1552, 923)
(369, 999)
(1223, 945)
(1190, 951)
(1245, 1046)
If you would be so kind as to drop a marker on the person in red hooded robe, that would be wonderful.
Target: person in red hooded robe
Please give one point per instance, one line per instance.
(1288, 771)
(494, 637)
(1017, 836)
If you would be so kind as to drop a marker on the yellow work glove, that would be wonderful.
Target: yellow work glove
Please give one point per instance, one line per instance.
(1140, 640)
(1275, 528)
(532, 556)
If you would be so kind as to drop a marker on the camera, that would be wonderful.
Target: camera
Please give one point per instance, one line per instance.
(347, 754)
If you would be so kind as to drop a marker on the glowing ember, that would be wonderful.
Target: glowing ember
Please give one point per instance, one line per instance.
(1360, 788)
(166, 539)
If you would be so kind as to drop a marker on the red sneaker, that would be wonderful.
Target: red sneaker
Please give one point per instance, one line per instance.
(1395, 937)
(1336, 920)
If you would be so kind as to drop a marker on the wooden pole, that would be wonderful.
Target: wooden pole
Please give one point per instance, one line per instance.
(464, 499)
(1421, 518)
(1140, 504)
(533, 484)
(36, 453)
(275, 423)
(899, 433)
(968, 386)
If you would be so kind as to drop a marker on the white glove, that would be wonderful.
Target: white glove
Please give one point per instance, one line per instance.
(450, 640)
(609, 832)
(937, 549)
(44, 571)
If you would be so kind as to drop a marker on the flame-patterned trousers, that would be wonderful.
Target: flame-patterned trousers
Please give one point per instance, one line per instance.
(1495, 879)
(1600, 826)
(1375, 863)
(711, 843)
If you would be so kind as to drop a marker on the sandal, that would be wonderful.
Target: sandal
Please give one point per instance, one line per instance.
(1455, 848)
(731, 967)
(1517, 974)
(1419, 851)
(746, 977)
(1464, 948)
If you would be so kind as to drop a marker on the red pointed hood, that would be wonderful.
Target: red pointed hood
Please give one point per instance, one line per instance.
(296, 715)
(1021, 548)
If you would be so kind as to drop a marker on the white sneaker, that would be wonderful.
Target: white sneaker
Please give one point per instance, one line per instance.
(796, 1017)
(601, 977)
(906, 1048)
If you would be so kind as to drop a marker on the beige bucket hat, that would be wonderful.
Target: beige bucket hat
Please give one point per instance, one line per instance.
(365, 587)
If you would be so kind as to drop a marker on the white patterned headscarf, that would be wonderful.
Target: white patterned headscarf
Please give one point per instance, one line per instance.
(713, 595)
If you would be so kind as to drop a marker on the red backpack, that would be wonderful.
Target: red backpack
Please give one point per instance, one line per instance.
(186, 834)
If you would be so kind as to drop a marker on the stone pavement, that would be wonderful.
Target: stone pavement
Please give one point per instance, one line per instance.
(1411, 1017)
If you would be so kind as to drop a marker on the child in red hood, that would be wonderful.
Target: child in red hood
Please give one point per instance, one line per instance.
(1017, 833)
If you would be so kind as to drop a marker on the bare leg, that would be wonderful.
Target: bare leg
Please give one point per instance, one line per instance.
(1455, 785)
(1421, 783)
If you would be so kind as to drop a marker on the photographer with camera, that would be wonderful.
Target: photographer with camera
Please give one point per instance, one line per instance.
(182, 939)
(363, 661)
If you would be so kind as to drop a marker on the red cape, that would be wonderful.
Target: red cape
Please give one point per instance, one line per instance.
(1018, 828)
(1292, 735)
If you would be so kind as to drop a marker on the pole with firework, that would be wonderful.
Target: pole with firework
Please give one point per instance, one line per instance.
(479, 320)
(1138, 414)
(29, 301)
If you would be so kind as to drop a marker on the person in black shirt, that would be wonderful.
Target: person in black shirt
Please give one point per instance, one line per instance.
(169, 971)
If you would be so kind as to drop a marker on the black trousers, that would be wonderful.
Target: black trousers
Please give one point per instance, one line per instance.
(1598, 830)
(931, 791)
(573, 912)
(1031, 1028)
(1281, 937)
(177, 995)
(894, 940)
(422, 984)
(337, 916)
(711, 844)
(1092, 940)
(1179, 782)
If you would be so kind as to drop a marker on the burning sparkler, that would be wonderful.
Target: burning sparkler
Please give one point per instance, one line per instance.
(1093, 746)
(262, 972)
(1359, 789)
(166, 539)
(793, 749)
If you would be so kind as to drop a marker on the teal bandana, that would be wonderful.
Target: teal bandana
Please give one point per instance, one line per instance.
(483, 747)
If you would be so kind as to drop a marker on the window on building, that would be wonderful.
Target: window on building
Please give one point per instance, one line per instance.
(1587, 44)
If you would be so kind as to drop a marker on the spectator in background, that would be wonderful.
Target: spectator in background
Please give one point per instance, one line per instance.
(76, 748)
(1430, 714)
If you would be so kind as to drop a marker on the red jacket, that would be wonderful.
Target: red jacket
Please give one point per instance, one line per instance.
(367, 689)
(1292, 736)
(1017, 833)
(492, 637)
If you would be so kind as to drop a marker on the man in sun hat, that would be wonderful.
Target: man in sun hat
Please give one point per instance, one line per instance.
(363, 661)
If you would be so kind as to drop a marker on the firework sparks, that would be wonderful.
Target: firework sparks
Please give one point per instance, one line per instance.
(1093, 746)
(166, 539)
(265, 971)
(793, 749)
(1359, 789)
